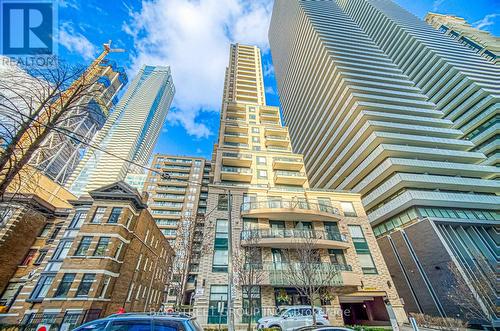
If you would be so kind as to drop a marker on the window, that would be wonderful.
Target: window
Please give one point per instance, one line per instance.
(256, 148)
(367, 264)
(115, 215)
(255, 130)
(94, 326)
(324, 204)
(100, 249)
(104, 288)
(54, 233)
(85, 285)
(255, 139)
(29, 257)
(64, 286)
(78, 219)
(220, 261)
(161, 325)
(42, 287)
(252, 116)
(251, 295)
(83, 247)
(45, 230)
(262, 174)
(222, 202)
(61, 250)
(99, 213)
(41, 256)
(118, 251)
(130, 325)
(348, 209)
(336, 256)
(138, 262)
(70, 320)
(131, 289)
(261, 160)
(362, 249)
(217, 299)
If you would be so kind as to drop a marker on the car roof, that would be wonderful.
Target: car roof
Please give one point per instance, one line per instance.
(302, 306)
(173, 316)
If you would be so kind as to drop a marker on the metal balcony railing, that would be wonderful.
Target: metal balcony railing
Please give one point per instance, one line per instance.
(291, 233)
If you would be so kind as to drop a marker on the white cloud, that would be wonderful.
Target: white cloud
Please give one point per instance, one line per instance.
(193, 37)
(268, 69)
(270, 90)
(76, 42)
(436, 4)
(485, 21)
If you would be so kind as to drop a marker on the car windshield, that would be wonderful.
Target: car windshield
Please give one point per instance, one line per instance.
(280, 312)
(196, 325)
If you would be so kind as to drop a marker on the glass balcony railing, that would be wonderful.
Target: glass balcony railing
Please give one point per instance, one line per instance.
(237, 170)
(287, 159)
(286, 274)
(288, 204)
(235, 134)
(237, 155)
(291, 233)
(276, 137)
(290, 173)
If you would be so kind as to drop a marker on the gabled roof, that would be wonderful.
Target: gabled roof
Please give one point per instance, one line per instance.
(119, 191)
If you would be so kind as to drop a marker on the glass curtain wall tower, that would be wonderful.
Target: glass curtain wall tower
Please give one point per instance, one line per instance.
(382, 104)
(130, 133)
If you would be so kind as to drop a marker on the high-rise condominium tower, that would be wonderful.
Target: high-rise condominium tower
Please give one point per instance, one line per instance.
(130, 132)
(382, 104)
(263, 219)
(480, 41)
(178, 205)
(59, 154)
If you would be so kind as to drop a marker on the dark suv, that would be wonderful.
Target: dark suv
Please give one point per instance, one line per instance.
(143, 322)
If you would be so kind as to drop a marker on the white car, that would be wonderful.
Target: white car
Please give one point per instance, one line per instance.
(293, 317)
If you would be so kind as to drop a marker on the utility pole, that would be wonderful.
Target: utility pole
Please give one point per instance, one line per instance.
(230, 301)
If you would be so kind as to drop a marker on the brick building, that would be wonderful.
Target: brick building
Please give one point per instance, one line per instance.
(107, 253)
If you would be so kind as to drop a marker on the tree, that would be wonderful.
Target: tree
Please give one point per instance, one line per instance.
(33, 103)
(475, 296)
(305, 271)
(248, 271)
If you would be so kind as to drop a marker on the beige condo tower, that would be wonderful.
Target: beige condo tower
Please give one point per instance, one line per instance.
(260, 199)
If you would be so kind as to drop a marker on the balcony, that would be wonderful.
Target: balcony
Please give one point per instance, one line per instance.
(322, 274)
(289, 177)
(287, 163)
(293, 238)
(272, 141)
(236, 174)
(236, 114)
(235, 137)
(235, 127)
(170, 189)
(236, 159)
(276, 131)
(290, 210)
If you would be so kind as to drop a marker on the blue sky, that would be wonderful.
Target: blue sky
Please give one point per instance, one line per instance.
(193, 37)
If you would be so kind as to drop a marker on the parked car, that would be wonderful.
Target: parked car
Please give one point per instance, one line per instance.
(143, 322)
(323, 328)
(293, 317)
